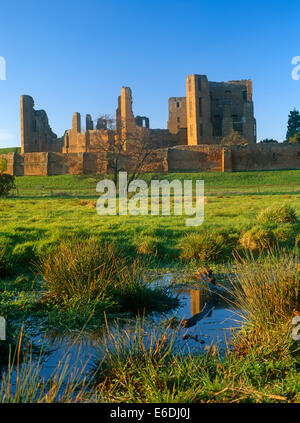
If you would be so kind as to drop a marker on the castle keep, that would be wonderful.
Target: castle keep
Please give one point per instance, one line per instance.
(196, 124)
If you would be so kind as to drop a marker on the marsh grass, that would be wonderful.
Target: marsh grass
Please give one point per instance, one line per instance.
(268, 288)
(206, 247)
(23, 380)
(145, 365)
(279, 214)
(267, 291)
(86, 276)
(258, 238)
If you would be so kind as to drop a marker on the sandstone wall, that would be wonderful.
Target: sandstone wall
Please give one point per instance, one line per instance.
(195, 158)
(266, 157)
(173, 159)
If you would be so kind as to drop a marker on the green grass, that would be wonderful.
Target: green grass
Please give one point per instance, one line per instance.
(35, 225)
(10, 150)
(215, 182)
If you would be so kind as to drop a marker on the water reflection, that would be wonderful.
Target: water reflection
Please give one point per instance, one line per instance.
(199, 298)
(213, 329)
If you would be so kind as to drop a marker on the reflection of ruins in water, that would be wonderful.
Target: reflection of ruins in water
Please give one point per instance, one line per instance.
(200, 296)
(198, 299)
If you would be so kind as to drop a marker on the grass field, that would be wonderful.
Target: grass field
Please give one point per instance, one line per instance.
(215, 182)
(35, 222)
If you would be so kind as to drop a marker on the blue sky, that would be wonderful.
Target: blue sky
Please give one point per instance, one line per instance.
(74, 56)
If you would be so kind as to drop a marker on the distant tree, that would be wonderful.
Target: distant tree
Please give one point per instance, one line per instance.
(7, 182)
(295, 138)
(233, 139)
(293, 124)
(268, 140)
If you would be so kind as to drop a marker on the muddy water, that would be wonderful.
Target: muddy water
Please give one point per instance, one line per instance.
(214, 329)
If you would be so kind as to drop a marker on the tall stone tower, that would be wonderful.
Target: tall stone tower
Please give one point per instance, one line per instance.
(128, 124)
(215, 109)
(125, 120)
(198, 107)
(28, 142)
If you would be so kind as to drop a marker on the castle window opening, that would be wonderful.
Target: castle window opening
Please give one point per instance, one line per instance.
(201, 130)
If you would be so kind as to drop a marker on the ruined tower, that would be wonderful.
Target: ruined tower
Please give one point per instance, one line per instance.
(36, 133)
(89, 124)
(215, 109)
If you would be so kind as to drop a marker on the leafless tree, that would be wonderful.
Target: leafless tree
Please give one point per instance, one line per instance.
(126, 151)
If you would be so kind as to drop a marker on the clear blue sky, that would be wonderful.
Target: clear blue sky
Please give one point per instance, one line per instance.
(74, 56)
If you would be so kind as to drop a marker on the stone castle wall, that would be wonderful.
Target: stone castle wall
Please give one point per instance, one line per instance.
(172, 159)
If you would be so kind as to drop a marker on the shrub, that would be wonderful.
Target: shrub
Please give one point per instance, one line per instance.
(257, 239)
(280, 214)
(7, 183)
(205, 247)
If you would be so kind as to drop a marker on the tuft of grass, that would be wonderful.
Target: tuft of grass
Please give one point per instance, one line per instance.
(257, 239)
(148, 246)
(79, 270)
(268, 289)
(205, 247)
(279, 214)
(90, 277)
(286, 233)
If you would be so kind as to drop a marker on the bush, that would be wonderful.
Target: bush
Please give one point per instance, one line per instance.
(280, 214)
(257, 239)
(205, 247)
(7, 183)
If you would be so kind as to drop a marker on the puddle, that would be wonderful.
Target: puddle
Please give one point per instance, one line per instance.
(214, 329)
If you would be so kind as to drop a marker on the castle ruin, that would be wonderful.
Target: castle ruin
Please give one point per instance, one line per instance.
(196, 125)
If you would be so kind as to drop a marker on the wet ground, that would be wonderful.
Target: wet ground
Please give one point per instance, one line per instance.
(214, 329)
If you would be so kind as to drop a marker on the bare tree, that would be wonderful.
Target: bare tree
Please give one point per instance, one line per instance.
(126, 151)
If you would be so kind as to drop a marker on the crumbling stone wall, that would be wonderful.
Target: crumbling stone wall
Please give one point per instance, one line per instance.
(173, 159)
(36, 133)
(91, 140)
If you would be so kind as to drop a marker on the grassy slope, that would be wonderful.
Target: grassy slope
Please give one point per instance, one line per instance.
(10, 150)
